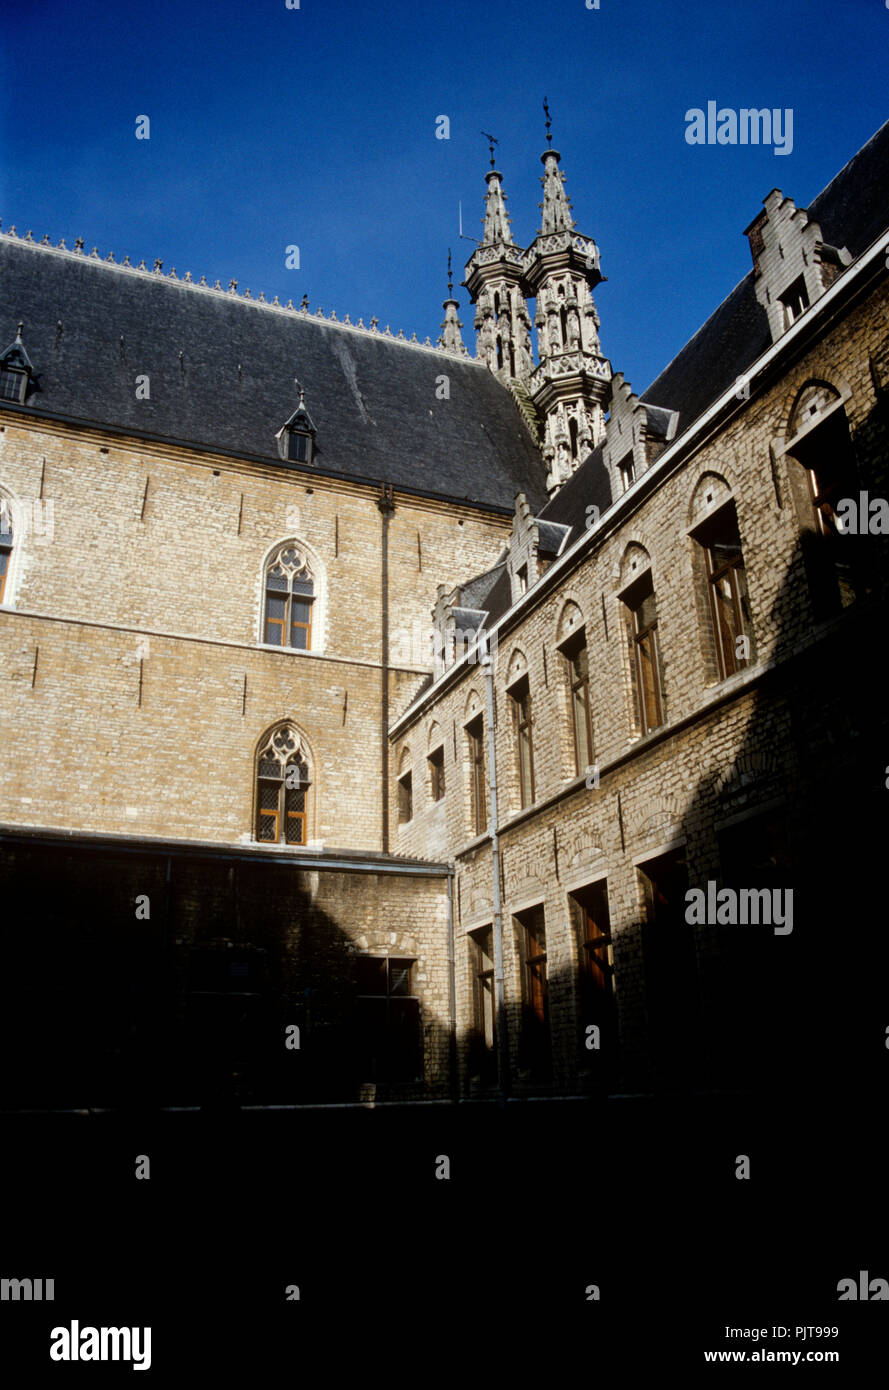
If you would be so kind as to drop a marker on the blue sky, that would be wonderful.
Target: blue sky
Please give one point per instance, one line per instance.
(316, 127)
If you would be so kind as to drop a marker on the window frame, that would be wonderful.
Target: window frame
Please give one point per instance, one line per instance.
(523, 724)
(478, 807)
(437, 780)
(405, 796)
(644, 639)
(570, 650)
(706, 538)
(282, 815)
(286, 624)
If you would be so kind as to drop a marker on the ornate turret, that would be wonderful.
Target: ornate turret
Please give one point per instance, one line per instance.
(493, 279)
(570, 387)
(451, 338)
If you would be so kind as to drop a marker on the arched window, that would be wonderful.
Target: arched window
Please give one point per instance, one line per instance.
(282, 788)
(819, 441)
(641, 623)
(289, 596)
(5, 545)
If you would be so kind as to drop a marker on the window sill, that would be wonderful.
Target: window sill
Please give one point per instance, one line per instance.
(289, 651)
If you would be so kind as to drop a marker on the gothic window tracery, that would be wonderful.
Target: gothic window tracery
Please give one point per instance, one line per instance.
(289, 598)
(282, 788)
(6, 539)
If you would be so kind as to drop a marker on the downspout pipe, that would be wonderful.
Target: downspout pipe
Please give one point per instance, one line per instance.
(487, 663)
(386, 504)
(453, 1078)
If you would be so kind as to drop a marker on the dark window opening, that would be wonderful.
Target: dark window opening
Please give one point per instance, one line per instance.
(405, 798)
(299, 447)
(13, 384)
(535, 1044)
(475, 734)
(626, 472)
(834, 561)
(795, 301)
(728, 599)
(437, 773)
(387, 1020)
(670, 970)
(483, 1042)
(596, 995)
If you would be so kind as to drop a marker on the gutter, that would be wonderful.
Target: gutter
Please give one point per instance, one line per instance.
(728, 404)
(335, 862)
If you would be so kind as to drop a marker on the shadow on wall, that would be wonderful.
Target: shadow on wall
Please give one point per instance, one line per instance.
(196, 1003)
(801, 809)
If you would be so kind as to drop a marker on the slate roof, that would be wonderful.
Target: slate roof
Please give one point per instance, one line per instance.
(222, 371)
(590, 484)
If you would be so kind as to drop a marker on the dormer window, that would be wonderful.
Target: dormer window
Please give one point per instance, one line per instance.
(15, 371)
(296, 439)
(795, 301)
(626, 472)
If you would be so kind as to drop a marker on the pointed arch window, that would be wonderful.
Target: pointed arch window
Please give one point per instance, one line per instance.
(5, 546)
(282, 789)
(289, 598)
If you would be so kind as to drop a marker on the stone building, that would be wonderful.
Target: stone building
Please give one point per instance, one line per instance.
(268, 834)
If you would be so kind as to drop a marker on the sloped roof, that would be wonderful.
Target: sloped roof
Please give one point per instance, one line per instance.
(589, 485)
(222, 370)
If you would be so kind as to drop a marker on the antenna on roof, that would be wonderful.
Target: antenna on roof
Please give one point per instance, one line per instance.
(463, 235)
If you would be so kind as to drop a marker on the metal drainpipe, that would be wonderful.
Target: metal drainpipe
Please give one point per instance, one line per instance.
(499, 992)
(386, 504)
(452, 989)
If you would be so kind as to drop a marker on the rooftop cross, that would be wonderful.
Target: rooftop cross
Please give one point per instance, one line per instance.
(492, 141)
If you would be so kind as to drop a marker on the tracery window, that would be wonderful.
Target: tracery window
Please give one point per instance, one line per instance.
(289, 596)
(282, 789)
(5, 545)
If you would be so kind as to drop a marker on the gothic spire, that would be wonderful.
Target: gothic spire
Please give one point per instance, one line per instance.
(451, 339)
(555, 206)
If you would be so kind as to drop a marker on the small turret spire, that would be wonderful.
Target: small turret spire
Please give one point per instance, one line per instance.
(451, 338)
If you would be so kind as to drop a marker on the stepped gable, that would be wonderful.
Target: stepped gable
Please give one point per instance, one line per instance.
(852, 211)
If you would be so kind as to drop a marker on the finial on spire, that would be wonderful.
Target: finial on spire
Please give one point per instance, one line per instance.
(548, 123)
(450, 276)
(492, 141)
(302, 394)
